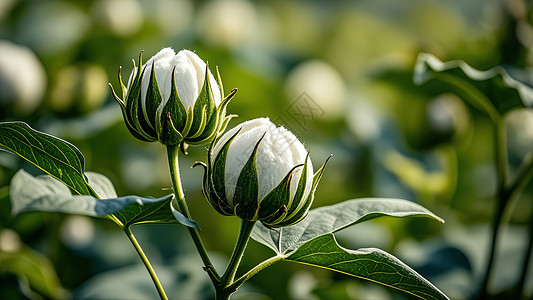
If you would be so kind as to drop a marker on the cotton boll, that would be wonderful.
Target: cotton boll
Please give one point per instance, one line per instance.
(176, 106)
(78, 232)
(22, 79)
(322, 84)
(258, 171)
(122, 17)
(9, 241)
(5, 7)
(79, 89)
(172, 17)
(447, 114)
(364, 119)
(50, 27)
(227, 23)
(520, 131)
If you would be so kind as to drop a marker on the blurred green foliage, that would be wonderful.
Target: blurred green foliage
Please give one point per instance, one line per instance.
(337, 74)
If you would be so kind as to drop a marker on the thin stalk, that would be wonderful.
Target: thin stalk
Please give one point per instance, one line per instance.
(525, 264)
(146, 263)
(523, 175)
(263, 265)
(238, 251)
(173, 152)
(223, 290)
(502, 199)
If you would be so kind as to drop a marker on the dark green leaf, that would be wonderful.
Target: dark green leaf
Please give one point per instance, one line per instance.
(35, 270)
(495, 91)
(183, 219)
(44, 193)
(54, 156)
(329, 219)
(369, 263)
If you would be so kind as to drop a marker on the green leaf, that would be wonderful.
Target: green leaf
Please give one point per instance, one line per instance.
(35, 269)
(44, 193)
(54, 156)
(369, 263)
(182, 278)
(329, 219)
(495, 91)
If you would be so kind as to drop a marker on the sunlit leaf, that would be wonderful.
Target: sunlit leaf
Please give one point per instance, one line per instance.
(495, 91)
(44, 193)
(54, 156)
(329, 219)
(369, 263)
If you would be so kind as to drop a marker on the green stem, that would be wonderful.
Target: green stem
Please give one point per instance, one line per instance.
(525, 264)
(523, 175)
(147, 264)
(238, 251)
(225, 289)
(255, 270)
(506, 193)
(173, 152)
(502, 199)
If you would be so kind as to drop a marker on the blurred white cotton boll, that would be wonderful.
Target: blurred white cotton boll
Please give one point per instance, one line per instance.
(22, 78)
(52, 26)
(364, 119)
(79, 88)
(227, 23)
(321, 83)
(122, 17)
(9, 240)
(171, 16)
(78, 232)
(520, 131)
(302, 284)
(447, 113)
(5, 7)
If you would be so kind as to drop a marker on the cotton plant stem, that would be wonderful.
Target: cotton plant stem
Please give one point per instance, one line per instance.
(523, 176)
(238, 251)
(502, 199)
(263, 265)
(146, 263)
(226, 288)
(506, 193)
(525, 265)
(173, 152)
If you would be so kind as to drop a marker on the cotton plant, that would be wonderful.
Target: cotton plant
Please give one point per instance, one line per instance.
(257, 172)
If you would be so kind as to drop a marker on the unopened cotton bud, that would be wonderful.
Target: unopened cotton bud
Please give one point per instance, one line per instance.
(258, 171)
(174, 99)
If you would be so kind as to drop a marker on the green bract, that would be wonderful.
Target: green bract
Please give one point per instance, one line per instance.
(169, 100)
(258, 171)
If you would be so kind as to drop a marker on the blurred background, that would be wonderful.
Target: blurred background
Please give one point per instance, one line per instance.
(337, 74)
